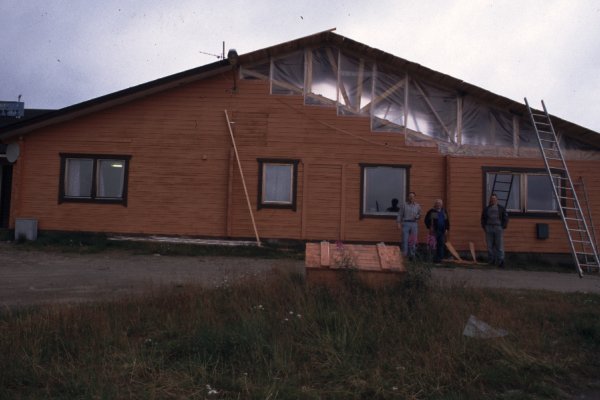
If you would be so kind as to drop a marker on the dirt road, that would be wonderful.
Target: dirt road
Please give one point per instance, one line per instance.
(34, 277)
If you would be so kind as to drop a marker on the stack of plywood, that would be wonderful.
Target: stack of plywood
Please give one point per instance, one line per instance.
(375, 264)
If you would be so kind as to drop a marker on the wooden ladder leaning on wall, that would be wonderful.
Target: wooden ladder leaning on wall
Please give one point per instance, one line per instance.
(577, 228)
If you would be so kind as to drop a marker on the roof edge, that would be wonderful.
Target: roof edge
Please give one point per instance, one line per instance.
(113, 99)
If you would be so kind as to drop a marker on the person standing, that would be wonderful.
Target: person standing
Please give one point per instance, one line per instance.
(407, 219)
(494, 220)
(438, 224)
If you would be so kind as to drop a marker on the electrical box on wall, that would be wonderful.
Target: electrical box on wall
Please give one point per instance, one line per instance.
(542, 231)
(26, 229)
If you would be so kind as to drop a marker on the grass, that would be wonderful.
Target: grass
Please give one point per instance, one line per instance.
(286, 339)
(85, 242)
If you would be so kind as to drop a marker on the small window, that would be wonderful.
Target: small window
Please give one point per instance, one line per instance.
(277, 183)
(93, 178)
(530, 191)
(383, 189)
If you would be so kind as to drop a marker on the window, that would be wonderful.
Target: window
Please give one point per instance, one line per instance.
(381, 185)
(93, 178)
(277, 183)
(530, 190)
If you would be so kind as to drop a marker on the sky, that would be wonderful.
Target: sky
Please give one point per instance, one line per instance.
(56, 53)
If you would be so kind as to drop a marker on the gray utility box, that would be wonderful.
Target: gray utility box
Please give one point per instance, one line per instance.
(26, 228)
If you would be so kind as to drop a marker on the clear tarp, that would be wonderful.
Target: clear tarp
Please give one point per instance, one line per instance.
(485, 126)
(431, 112)
(260, 70)
(288, 74)
(321, 82)
(355, 86)
(395, 102)
(388, 105)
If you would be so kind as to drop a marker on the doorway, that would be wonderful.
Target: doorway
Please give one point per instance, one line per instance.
(5, 188)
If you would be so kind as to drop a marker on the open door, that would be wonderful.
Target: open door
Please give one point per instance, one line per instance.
(5, 188)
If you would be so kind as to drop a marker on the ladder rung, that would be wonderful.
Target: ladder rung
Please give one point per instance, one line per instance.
(547, 140)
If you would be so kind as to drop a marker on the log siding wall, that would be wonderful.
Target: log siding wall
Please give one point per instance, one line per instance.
(183, 178)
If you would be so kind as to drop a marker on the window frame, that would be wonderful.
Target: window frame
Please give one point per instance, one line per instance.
(294, 186)
(523, 174)
(93, 196)
(363, 166)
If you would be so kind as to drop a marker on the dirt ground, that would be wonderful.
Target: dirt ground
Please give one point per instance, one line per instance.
(35, 277)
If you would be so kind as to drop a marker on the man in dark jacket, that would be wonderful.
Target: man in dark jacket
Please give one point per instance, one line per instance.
(494, 220)
(438, 224)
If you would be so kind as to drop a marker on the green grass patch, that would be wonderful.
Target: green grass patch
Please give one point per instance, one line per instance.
(287, 339)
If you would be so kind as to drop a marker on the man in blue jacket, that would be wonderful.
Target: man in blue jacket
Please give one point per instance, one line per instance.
(438, 224)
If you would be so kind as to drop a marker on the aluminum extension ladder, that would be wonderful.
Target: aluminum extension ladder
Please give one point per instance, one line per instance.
(580, 240)
(579, 185)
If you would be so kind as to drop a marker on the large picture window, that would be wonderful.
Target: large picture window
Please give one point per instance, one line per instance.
(93, 178)
(277, 183)
(382, 187)
(529, 191)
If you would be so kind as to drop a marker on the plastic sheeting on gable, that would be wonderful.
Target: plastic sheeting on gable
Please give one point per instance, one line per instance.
(397, 102)
(387, 112)
(486, 126)
(260, 70)
(355, 86)
(288, 74)
(432, 111)
(321, 85)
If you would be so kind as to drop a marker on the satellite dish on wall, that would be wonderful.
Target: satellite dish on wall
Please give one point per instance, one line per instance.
(12, 152)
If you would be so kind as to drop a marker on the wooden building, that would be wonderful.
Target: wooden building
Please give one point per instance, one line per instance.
(328, 131)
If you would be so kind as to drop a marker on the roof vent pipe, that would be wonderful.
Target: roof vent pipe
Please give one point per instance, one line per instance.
(232, 57)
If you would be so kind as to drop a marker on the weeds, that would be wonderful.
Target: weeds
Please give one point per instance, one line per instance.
(284, 338)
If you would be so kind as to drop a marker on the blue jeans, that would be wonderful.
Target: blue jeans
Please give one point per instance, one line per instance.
(495, 243)
(410, 231)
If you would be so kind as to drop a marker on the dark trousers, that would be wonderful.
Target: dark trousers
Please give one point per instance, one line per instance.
(440, 247)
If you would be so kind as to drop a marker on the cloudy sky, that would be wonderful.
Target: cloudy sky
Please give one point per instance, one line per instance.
(56, 53)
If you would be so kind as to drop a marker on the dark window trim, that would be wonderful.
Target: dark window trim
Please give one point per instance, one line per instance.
(520, 170)
(362, 166)
(294, 163)
(95, 158)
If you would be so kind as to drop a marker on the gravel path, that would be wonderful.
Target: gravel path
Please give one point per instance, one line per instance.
(513, 279)
(34, 277)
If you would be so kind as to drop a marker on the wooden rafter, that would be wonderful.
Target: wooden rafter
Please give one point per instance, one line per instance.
(334, 67)
(361, 72)
(385, 94)
(433, 110)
